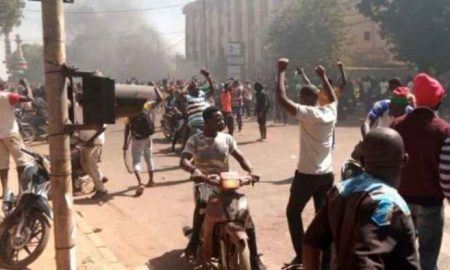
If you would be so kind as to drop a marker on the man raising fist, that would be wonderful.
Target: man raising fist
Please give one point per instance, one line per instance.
(314, 173)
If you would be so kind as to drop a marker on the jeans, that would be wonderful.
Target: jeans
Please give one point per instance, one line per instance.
(429, 222)
(237, 111)
(304, 187)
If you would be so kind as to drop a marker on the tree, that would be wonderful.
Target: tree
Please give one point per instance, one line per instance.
(10, 14)
(33, 53)
(417, 30)
(309, 32)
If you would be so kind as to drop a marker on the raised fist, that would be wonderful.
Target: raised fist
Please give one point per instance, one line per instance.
(282, 64)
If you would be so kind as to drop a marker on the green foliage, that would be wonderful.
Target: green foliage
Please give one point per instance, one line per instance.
(33, 53)
(10, 14)
(309, 32)
(417, 30)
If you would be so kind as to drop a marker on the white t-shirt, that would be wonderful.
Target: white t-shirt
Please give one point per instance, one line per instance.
(316, 138)
(8, 124)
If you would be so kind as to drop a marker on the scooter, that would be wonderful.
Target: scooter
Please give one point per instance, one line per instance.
(25, 230)
(224, 233)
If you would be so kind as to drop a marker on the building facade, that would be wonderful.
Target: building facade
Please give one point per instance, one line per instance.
(229, 37)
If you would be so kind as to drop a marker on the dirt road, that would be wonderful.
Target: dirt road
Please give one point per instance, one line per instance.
(146, 231)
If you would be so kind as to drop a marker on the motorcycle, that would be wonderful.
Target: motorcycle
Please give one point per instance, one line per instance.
(227, 215)
(25, 230)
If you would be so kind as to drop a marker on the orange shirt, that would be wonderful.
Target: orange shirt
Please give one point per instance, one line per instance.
(226, 101)
(323, 97)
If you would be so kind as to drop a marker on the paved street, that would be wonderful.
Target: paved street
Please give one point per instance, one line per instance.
(146, 231)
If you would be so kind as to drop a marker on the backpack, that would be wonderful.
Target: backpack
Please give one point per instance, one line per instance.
(141, 126)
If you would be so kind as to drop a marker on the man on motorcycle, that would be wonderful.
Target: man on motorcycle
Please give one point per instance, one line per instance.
(208, 153)
(10, 138)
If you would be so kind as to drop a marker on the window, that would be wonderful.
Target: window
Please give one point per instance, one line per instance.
(367, 35)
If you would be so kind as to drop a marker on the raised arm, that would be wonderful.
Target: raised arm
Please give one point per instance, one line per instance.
(344, 80)
(126, 136)
(320, 70)
(212, 89)
(282, 98)
(29, 96)
(302, 74)
(159, 96)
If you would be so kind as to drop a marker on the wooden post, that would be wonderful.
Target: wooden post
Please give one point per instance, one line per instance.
(55, 85)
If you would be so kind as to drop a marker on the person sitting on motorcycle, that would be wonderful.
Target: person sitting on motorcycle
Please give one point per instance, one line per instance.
(208, 153)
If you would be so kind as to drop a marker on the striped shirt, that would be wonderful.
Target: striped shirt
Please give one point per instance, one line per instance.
(444, 168)
(195, 107)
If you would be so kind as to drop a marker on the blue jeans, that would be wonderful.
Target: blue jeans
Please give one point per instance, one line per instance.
(429, 222)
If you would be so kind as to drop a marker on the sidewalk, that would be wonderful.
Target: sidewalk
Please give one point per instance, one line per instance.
(91, 252)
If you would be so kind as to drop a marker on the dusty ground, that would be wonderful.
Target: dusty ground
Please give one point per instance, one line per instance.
(146, 231)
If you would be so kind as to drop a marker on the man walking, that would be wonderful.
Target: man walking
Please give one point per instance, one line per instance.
(424, 134)
(238, 102)
(226, 101)
(139, 130)
(10, 139)
(261, 109)
(314, 174)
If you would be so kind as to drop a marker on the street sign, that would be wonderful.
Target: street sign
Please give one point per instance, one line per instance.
(234, 49)
(235, 60)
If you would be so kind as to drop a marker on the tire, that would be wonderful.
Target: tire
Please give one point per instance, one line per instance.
(28, 134)
(35, 219)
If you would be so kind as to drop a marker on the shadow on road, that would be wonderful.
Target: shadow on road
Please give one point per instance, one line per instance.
(279, 182)
(248, 142)
(165, 169)
(169, 261)
(160, 140)
(172, 183)
(106, 198)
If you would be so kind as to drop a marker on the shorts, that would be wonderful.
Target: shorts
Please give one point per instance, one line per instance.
(11, 146)
(139, 148)
(261, 118)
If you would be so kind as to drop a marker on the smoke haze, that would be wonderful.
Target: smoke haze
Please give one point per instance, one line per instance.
(120, 45)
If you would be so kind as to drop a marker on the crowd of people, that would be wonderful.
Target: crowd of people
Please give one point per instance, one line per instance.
(369, 221)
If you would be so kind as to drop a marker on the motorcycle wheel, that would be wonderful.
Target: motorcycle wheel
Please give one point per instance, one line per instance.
(36, 233)
(28, 134)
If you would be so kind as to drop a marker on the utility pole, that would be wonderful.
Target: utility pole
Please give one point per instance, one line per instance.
(205, 38)
(55, 85)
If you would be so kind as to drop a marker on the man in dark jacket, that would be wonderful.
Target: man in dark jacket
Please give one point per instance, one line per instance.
(261, 109)
(424, 134)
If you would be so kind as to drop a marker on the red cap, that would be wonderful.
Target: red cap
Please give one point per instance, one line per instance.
(428, 91)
